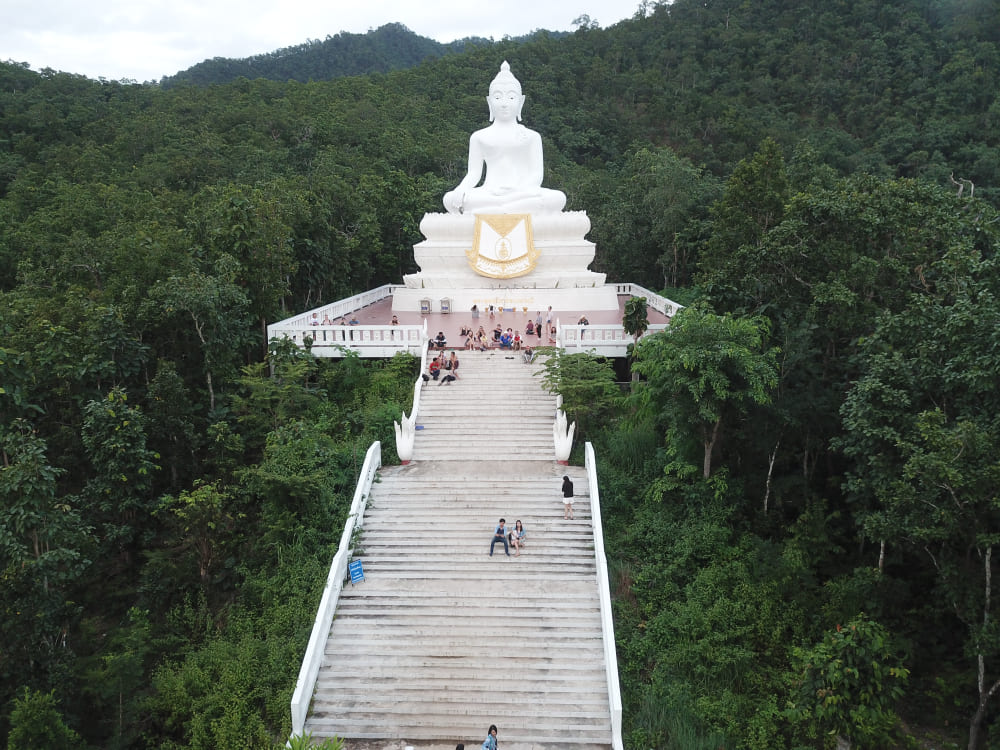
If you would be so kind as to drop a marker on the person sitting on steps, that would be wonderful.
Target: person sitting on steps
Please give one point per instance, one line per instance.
(517, 537)
(500, 535)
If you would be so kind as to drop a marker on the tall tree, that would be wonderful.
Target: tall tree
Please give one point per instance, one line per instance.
(44, 545)
(635, 322)
(753, 203)
(921, 426)
(214, 305)
(703, 372)
(121, 488)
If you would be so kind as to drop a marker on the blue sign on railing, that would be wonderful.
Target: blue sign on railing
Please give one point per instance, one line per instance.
(357, 571)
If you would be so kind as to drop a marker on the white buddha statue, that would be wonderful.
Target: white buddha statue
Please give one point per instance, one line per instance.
(512, 156)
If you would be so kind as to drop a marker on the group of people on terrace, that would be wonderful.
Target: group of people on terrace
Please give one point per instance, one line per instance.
(479, 339)
(315, 321)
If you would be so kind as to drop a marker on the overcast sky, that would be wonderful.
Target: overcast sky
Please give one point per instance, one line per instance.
(144, 40)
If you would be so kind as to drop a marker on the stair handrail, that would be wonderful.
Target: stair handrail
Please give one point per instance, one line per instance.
(419, 385)
(313, 658)
(655, 301)
(604, 593)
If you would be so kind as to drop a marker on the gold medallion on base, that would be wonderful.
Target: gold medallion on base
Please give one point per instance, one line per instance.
(502, 246)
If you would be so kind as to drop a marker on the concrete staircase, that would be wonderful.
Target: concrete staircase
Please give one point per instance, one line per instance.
(495, 411)
(441, 640)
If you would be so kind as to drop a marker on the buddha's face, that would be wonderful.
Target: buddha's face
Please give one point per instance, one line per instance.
(505, 103)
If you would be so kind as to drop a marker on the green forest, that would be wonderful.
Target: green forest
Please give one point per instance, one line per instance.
(801, 490)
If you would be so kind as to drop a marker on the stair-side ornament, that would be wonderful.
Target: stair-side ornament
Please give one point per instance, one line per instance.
(406, 431)
(563, 437)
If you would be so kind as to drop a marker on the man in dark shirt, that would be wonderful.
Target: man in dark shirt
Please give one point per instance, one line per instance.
(500, 535)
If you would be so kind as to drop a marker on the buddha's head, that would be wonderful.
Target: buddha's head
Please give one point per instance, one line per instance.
(505, 99)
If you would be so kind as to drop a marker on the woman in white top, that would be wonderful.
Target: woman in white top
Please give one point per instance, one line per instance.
(517, 536)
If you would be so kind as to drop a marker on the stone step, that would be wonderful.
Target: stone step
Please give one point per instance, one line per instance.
(455, 594)
(465, 419)
(437, 621)
(424, 714)
(432, 713)
(548, 552)
(580, 649)
(511, 469)
(440, 393)
(477, 689)
(508, 644)
(501, 575)
(441, 733)
(503, 701)
(526, 444)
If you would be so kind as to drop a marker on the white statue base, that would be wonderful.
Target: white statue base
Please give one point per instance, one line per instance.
(560, 277)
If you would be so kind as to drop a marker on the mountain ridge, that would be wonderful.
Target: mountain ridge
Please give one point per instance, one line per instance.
(390, 47)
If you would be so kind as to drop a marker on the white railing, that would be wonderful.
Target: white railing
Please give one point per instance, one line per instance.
(313, 658)
(604, 592)
(653, 300)
(418, 387)
(339, 309)
(609, 340)
(366, 340)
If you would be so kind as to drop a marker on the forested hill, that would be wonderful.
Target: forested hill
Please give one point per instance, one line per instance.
(389, 47)
(805, 476)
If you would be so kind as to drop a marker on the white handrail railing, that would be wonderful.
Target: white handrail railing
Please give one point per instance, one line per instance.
(339, 309)
(331, 593)
(602, 339)
(659, 303)
(604, 592)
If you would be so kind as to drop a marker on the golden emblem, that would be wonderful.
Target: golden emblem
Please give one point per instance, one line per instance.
(502, 246)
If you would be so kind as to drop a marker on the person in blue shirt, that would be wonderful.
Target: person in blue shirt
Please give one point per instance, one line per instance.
(500, 535)
(490, 743)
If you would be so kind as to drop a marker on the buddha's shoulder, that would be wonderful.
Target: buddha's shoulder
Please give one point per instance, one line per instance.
(492, 134)
(526, 132)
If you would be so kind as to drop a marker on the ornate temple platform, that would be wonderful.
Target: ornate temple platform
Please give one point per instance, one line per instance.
(374, 336)
(509, 261)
